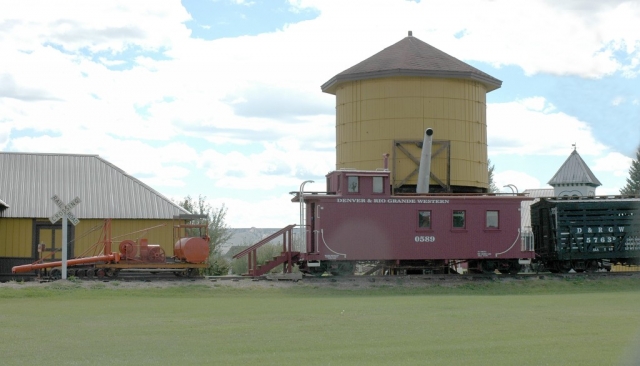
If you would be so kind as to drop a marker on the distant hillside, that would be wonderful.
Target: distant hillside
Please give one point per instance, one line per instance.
(247, 237)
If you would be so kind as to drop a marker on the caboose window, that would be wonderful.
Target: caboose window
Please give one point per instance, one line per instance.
(492, 219)
(458, 219)
(352, 182)
(424, 219)
(377, 185)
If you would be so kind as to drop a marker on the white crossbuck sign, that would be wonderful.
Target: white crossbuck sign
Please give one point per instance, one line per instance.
(65, 210)
(64, 214)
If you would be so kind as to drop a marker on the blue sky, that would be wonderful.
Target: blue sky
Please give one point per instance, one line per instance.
(222, 97)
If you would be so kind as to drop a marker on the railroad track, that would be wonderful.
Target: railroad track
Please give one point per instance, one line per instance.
(125, 276)
(469, 277)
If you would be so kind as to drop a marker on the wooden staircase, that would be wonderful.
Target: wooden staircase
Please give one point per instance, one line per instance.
(262, 269)
(286, 257)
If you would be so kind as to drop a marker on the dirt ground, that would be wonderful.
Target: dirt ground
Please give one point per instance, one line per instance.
(351, 283)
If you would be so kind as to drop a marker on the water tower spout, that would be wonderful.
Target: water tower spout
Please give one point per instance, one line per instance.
(425, 163)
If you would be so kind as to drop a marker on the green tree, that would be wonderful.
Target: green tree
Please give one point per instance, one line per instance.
(493, 188)
(633, 182)
(218, 231)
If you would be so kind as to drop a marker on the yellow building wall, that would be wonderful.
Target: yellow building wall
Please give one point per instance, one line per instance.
(371, 114)
(16, 237)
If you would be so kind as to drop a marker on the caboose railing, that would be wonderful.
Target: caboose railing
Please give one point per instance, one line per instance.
(286, 256)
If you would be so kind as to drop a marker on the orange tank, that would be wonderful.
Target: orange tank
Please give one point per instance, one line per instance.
(192, 250)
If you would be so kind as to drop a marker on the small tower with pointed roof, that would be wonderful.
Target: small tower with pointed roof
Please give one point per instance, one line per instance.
(574, 178)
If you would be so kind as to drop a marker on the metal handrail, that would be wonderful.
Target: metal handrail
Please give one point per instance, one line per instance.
(264, 241)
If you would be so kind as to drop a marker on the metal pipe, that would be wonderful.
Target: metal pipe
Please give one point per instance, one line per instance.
(511, 186)
(424, 173)
(113, 257)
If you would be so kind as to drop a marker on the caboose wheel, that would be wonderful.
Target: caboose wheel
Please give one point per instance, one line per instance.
(514, 268)
(342, 269)
(316, 271)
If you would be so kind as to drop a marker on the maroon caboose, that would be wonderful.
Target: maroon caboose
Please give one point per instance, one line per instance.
(358, 221)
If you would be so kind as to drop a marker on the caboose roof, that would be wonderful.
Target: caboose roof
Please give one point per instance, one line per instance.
(29, 180)
(411, 57)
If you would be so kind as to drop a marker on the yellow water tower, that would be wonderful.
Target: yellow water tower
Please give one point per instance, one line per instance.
(385, 103)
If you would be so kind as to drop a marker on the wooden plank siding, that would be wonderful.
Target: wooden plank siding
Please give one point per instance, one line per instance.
(16, 237)
(372, 113)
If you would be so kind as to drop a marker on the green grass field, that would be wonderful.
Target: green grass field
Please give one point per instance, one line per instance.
(566, 322)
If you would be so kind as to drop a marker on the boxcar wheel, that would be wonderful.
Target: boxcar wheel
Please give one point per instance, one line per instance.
(565, 266)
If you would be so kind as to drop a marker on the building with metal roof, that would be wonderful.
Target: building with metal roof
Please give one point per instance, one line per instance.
(574, 178)
(29, 181)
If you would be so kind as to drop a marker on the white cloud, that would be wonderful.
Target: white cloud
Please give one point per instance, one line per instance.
(279, 165)
(104, 26)
(158, 167)
(613, 163)
(255, 101)
(269, 212)
(530, 127)
(519, 179)
(617, 101)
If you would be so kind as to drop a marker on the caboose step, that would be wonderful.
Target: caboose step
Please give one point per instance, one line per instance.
(269, 265)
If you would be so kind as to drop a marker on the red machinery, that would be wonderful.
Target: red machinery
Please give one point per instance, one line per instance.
(190, 254)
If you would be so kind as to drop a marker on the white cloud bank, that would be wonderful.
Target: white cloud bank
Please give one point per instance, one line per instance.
(125, 80)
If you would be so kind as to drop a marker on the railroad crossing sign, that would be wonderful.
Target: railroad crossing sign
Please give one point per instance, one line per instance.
(65, 210)
(64, 214)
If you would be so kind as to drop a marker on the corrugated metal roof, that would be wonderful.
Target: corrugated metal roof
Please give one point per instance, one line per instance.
(411, 57)
(574, 171)
(28, 181)
(525, 206)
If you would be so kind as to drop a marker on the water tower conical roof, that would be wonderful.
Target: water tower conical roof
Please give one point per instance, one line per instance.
(411, 57)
